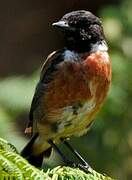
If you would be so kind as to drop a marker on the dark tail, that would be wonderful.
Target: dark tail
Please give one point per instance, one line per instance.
(33, 159)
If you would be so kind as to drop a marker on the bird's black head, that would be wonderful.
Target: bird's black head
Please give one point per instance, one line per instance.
(82, 29)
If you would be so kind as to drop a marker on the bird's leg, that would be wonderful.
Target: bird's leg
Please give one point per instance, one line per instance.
(83, 164)
(65, 160)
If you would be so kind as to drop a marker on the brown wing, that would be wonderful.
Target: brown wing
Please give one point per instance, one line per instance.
(48, 68)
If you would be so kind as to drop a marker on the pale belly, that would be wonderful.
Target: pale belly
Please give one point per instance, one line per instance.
(77, 123)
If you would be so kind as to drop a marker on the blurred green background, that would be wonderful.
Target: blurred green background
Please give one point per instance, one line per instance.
(27, 37)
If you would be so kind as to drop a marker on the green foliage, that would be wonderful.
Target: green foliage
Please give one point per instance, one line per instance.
(12, 165)
(64, 173)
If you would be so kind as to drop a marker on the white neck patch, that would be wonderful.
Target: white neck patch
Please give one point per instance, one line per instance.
(99, 47)
(70, 55)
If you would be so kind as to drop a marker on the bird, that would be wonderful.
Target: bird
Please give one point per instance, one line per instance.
(73, 85)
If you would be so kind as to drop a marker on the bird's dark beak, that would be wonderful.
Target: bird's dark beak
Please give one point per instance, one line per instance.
(61, 24)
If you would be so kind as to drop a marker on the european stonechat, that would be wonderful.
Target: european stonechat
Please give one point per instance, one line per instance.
(73, 85)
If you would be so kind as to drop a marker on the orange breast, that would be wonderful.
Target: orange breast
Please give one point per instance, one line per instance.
(97, 68)
(78, 82)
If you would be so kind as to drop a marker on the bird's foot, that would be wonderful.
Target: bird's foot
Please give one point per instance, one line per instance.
(83, 167)
(70, 164)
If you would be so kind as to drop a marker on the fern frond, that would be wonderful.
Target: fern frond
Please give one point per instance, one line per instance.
(5, 145)
(13, 166)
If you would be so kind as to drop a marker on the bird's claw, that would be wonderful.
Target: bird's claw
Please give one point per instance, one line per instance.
(85, 167)
(71, 164)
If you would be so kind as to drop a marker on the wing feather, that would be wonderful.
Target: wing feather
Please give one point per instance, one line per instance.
(48, 68)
